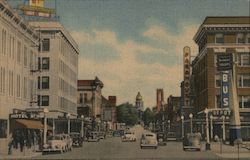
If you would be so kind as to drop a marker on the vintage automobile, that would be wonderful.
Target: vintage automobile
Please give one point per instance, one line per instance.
(162, 138)
(56, 143)
(149, 139)
(93, 136)
(128, 137)
(118, 133)
(77, 140)
(102, 135)
(109, 134)
(192, 141)
(171, 136)
(69, 142)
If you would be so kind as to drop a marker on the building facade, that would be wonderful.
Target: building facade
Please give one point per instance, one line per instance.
(223, 35)
(18, 60)
(90, 97)
(173, 108)
(139, 102)
(58, 65)
(159, 99)
(109, 112)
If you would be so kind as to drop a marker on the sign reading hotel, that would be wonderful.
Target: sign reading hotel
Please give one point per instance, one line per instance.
(225, 89)
(186, 72)
(36, 8)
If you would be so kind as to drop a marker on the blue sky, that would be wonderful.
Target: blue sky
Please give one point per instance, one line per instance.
(136, 45)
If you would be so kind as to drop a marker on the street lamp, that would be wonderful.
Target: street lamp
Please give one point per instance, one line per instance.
(82, 125)
(45, 111)
(207, 130)
(68, 117)
(168, 125)
(211, 126)
(182, 126)
(223, 128)
(191, 122)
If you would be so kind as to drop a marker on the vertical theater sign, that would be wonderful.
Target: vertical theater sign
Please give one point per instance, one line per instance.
(186, 72)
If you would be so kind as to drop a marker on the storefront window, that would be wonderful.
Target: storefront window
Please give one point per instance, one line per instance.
(3, 128)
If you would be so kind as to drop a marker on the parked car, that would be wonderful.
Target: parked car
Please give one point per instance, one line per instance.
(128, 137)
(77, 140)
(69, 142)
(162, 138)
(118, 133)
(56, 143)
(149, 139)
(192, 141)
(102, 135)
(171, 136)
(93, 136)
(110, 134)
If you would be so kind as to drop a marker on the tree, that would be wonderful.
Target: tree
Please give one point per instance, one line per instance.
(148, 116)
(126, 113)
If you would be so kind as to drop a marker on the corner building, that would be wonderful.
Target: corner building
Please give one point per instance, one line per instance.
(18, 57)
(58, 63)
(215, 36)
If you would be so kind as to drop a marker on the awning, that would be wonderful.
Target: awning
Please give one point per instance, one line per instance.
(30, 124)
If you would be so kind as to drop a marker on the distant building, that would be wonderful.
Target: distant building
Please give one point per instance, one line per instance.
(139, 102)
(109, 111)
(159, 99)
(173, 108)
(90, 98)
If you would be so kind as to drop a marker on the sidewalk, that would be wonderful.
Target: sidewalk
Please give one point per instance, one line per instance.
(229, 152)
(16, 154)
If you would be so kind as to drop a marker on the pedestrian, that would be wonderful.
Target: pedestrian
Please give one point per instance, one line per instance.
(10, 145)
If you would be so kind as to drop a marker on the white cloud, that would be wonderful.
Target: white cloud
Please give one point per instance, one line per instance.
(124, 77)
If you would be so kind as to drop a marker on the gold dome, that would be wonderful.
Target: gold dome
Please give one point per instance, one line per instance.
(138, 97)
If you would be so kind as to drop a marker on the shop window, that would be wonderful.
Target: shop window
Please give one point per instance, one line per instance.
(45, 82)
(244, 59)
(240, 38)
(81, 98)
(244, 80)
(244, 101)
(219, 38)
(45, 63)
(85, 97)
(3, 128)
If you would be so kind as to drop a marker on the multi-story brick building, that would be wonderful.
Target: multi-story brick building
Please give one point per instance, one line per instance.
(18, 56)
(215, 36)
(90, 97)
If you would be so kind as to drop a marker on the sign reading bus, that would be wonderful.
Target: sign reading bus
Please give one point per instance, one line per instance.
(225, 89)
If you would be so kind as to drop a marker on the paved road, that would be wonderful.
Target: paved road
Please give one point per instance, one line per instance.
(113, 148)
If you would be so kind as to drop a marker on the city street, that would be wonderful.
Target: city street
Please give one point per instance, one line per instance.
(113, 148)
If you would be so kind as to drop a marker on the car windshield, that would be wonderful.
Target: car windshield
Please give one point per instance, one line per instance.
(54, 138)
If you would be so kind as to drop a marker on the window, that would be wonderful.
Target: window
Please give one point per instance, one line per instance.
(85, 98)
(244, 101)
(25, 57)
(44, 100)
(18, 90)
(219, 38)
(45, 63)
(45, 44)
(19, 52)
(3, 128)
(217, 81)
(218, 101)
(244, 59)
(4, 41)
(45, 82)
(81, 98)
(240, 38)
(244, 80)
(248, 38)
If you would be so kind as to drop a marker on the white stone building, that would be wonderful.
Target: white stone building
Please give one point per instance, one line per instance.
(58, 61)
(18, 58)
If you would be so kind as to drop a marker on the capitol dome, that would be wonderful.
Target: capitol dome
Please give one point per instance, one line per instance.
(138, 97)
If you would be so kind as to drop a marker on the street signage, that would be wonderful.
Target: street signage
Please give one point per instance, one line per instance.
(221, 112)
(224, 62)
(225, 89)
